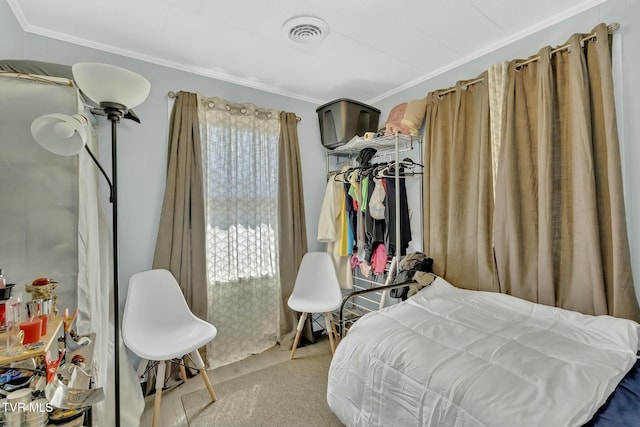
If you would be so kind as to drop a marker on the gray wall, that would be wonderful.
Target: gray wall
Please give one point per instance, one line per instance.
(142, 148)
(627, 85)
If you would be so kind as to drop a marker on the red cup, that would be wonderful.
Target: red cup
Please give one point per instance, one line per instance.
(31, 329)
(3, 312)
(44, 319)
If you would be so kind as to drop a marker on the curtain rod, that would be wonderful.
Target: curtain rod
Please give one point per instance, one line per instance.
(453, 89)
(174, 95)
(611, 28)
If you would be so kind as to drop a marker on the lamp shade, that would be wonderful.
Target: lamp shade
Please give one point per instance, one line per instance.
(60, 133)
(108, 83)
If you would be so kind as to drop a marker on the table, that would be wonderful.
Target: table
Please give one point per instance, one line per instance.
(53, 332)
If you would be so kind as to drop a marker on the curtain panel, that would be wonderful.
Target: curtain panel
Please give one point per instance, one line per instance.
(180, 245)
(240, 154)
(559, 223)
(458, 185)
(291, 216)
(498, 80)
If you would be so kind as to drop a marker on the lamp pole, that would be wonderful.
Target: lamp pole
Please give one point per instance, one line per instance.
(114, 112)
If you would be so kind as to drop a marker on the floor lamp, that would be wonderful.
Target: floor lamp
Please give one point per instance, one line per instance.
(115, 90)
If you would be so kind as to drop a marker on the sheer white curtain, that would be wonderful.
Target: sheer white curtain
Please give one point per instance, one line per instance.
(240, 156)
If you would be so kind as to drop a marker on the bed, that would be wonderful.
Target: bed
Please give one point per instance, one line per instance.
(453, 357)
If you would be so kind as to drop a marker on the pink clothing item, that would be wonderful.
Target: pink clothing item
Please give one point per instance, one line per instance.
(355, 262)
(379, 259)
(365, 269)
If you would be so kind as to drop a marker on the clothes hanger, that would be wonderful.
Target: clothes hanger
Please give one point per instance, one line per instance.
(410, 163)
(335, 175)
(389, 170)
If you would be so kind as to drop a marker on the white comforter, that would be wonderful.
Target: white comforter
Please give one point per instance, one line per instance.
(451, 357)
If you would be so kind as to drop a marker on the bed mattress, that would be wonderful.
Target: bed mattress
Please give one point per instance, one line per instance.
(452, 357)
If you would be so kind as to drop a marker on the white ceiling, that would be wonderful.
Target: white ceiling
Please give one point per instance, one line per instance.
(374, 48)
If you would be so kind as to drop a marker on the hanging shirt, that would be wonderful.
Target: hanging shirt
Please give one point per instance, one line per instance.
(397, 195)
(332, 226)
(379, 259)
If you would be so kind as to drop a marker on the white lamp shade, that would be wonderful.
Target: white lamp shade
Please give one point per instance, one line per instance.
(108, 83)
(60, 133)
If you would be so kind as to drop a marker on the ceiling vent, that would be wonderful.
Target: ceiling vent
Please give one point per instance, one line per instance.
(305, 29)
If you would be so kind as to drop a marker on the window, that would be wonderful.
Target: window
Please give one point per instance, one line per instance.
(240, 155)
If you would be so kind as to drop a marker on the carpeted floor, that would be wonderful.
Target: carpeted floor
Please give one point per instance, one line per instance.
(289, 394)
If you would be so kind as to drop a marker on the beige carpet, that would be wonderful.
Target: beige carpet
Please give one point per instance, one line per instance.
(292, 393)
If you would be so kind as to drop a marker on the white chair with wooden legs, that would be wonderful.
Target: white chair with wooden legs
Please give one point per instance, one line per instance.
(158, 326)
(316, 290)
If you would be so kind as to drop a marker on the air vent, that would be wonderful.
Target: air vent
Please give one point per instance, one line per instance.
(305, 29)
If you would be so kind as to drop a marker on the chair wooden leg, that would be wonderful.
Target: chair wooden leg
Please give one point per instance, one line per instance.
(159, 385)
(327, 323)
(183, 371)
(303, 318)
(336, 335)
(197, 359)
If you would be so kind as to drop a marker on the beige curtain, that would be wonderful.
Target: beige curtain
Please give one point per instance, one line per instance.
(498, 81)
(560, 232)
(180, 246)
(458, 185)
(292, 225)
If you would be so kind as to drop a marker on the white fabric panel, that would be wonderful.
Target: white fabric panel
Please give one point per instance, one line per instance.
(453, 357)
(38, 191)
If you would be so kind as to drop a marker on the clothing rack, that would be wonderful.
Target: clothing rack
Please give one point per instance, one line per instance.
(397, 170)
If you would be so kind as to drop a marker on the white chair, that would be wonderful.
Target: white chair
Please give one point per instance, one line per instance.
(316, 291)
(158, 326)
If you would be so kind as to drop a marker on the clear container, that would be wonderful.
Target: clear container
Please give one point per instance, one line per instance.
(11, 336)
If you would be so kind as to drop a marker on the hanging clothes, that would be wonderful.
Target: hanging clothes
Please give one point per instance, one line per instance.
(351, 206)
(379, 259)
(333, 230)
(393, 197)
(374, 222)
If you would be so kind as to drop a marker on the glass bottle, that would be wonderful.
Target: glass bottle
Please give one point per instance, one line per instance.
(3, 281)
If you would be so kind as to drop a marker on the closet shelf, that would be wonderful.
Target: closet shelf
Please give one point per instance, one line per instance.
(386, 143)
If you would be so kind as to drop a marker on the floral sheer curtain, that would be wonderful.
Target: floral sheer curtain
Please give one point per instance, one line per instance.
(240, 157)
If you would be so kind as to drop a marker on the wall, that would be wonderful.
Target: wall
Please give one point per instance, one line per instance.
(142, 148)
(627, 86)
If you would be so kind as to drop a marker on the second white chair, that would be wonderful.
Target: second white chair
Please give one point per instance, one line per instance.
(316, 290)
(158, 326)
